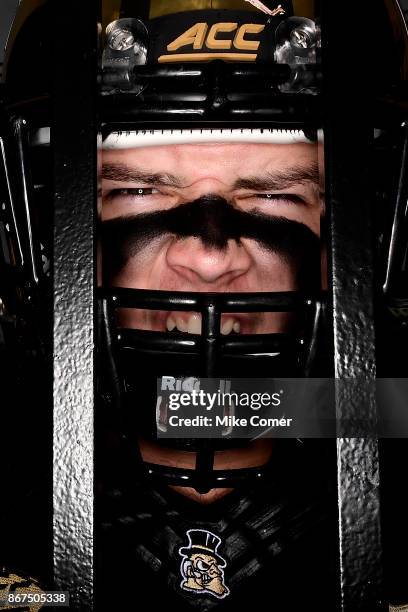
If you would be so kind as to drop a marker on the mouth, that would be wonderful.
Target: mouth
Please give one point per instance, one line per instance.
(178, 322)
(190, 323)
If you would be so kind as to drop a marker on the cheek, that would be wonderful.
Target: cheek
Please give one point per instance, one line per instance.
(135, 270)
(269, 270)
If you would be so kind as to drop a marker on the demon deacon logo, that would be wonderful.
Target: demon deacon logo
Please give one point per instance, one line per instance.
(201, 566)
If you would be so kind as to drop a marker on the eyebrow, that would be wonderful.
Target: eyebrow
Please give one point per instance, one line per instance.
(123, 173)
(275, 180)
(281, 179)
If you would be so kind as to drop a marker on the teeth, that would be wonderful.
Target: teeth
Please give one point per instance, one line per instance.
(171, 324)
(226, 327)
(194, 324)
(181, 324)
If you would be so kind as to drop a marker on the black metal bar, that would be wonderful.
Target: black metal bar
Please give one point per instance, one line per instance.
(224, 478)
(20, 191)
(398, 246)
(204, 466)
(159, 71)
(226, 302)
(19, 255)
(348, 134)
(74, 137)
(210, 331)
(146, 340)
(21, 141)
(280, 72)
(292, 110)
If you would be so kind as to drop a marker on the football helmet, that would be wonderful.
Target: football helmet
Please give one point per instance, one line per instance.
(185, 72)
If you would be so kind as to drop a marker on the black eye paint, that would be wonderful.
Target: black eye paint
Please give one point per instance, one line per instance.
(214, 221)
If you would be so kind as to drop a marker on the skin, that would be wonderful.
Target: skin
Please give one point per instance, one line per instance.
(187, 172)
(205, 563)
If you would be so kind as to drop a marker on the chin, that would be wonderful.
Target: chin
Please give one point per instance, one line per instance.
(202, 498)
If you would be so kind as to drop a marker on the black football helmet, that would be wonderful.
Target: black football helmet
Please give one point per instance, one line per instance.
(237, 70)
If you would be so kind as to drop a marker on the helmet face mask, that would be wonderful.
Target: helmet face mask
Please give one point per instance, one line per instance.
(213, 238)
(199, 98)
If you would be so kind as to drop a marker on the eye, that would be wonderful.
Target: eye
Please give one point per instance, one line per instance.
(202, 566)
(279, 197)
(134, 192)
(268, 200)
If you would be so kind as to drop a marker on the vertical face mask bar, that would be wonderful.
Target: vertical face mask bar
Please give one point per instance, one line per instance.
(21, 144)
(211, 322)
(74, 138)
(347, 137)
(397, 250)
(20, 258)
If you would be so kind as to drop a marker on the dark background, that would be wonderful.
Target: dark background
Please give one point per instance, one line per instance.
(7, 10)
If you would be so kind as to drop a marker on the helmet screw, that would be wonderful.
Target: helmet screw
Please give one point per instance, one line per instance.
(121, 40)
(300, 38)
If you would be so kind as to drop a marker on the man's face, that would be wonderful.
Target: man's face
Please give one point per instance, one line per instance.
(267, 180)
(224, 191)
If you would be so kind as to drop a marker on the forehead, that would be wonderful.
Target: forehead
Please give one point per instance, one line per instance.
(223, 161)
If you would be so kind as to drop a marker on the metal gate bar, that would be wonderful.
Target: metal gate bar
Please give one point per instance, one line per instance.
(74, 140)
(348, 133)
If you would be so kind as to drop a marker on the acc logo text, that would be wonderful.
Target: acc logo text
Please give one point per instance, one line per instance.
(225, 40)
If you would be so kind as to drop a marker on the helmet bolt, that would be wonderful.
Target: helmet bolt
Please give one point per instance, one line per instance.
(121, 40)
(300, 38)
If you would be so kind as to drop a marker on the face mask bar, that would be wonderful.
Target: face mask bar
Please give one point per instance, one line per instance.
(211, 306)
(21, 249)
(24, 265)
(210, 347)
(397, 260)
(213, 97)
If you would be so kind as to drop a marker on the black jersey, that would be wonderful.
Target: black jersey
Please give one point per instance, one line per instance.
(275, 543)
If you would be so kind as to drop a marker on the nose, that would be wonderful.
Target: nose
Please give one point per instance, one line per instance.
(200, 264)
